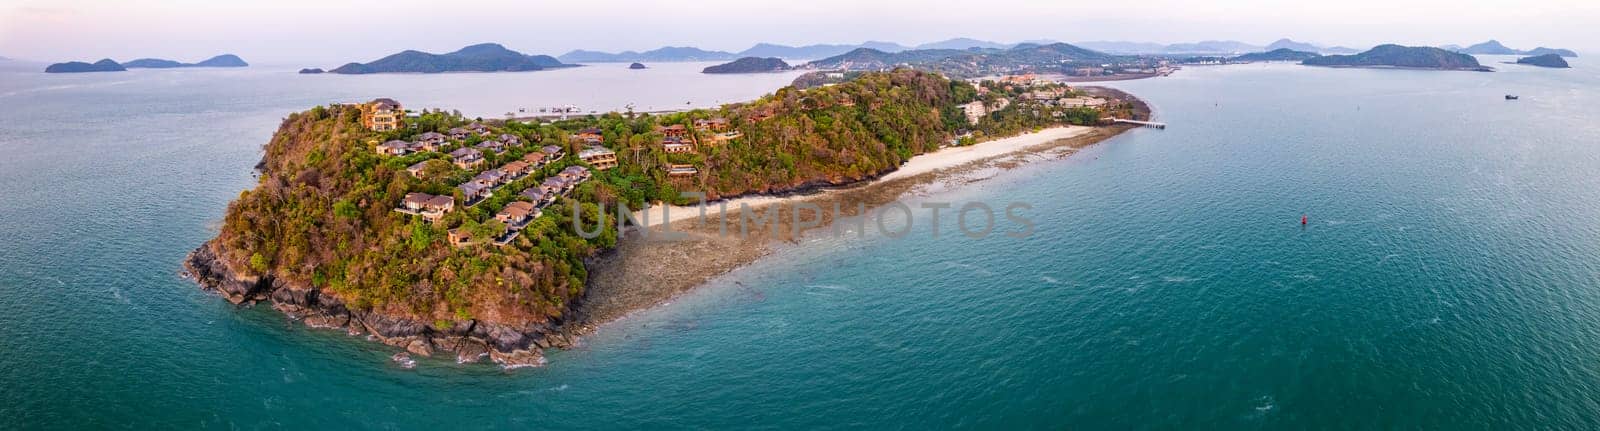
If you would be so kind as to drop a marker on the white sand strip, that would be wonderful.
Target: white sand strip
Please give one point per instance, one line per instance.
(942, 159)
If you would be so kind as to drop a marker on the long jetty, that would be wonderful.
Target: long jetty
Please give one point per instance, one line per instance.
(1150, 124)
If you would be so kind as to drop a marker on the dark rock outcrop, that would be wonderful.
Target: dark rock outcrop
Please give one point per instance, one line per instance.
(636, 66)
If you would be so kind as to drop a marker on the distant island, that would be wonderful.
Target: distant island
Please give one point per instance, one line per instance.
(224, 60)
(1494, 47)
(1076, 62)
(1280, 54)
(750, 65)
(104, 65)
(311, 71)
(663, 54)
(689, 53)
(636, 66)
(1547, 60)
(1557, 51)
(108, 65)
(1396, 56)
(484, 57)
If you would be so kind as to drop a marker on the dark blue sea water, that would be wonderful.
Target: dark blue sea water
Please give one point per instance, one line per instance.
(1449, 277)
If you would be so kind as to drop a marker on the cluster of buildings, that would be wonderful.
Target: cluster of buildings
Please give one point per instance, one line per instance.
(388, 115)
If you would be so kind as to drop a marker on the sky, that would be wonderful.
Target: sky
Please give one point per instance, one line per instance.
(328, 33)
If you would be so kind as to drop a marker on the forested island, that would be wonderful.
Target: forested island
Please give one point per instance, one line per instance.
(1546, 60)
(224, 60)
(451, 235)
(1396, 56)
(750, 65)
(104, 65)
(108, 65)
(484, 57)
(1280, 54)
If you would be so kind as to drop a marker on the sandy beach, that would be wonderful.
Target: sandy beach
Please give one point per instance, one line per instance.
(639, 274)
(944, 158)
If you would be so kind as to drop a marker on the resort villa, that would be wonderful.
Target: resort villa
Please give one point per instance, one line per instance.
(537, 195)
(382, 115)
(517, 214)
(681, 170)
(591, 135)
(473, 192)
(466, 158)
(713, 125)
(552, 152)
(673, 131)
(492, 146)
(395, 148)
(430, 207)
(574, 174)
(600, 158)
(430, 141)
(676, 145)
(534, 158)
(1083, 102)
(516, 169)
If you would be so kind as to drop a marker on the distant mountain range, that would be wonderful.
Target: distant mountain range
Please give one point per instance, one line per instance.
(821, 51)
(108, 65)
(1209, 47)
(1414, 57)
(224, 60)
(663, 54)
(1494, 47)
(974, 61)
(483, 57)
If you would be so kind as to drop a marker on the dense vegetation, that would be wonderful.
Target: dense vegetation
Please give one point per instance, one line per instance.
(104, 65)
(323, 215)
(749, 65)
(1546, 60)
(485, 57)
(981, 61)
(1401, 56)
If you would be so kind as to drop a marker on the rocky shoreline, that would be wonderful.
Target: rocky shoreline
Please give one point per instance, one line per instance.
(470, 341)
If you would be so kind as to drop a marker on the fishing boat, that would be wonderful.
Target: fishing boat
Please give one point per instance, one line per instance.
(1511, 97)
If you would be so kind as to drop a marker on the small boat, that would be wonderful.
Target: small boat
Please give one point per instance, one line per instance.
(1511, 97)
(1302, 219)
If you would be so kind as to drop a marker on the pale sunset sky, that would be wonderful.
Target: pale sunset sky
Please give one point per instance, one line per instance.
(331, 32)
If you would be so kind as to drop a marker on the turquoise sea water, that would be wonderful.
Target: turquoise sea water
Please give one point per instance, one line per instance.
(1449, 277)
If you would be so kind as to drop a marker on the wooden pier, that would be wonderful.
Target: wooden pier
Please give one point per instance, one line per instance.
(1150, 124)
